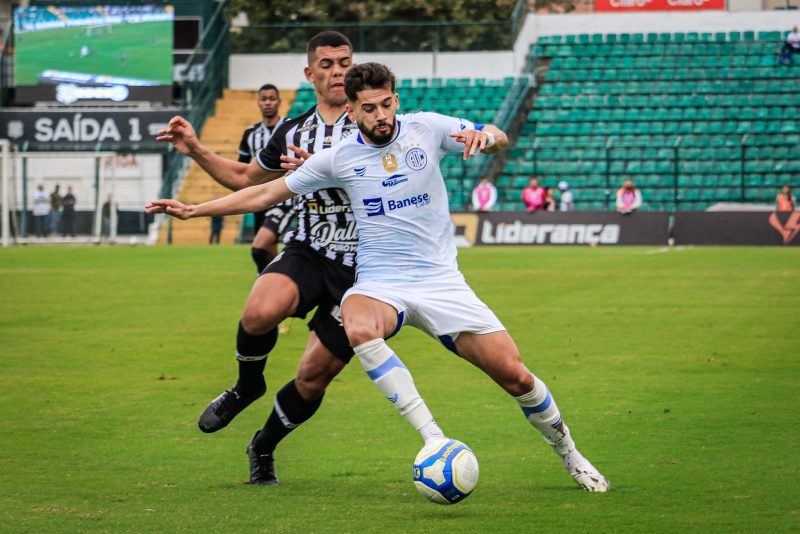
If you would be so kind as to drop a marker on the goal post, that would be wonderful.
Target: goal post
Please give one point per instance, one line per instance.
(5, 171)
(28, 180)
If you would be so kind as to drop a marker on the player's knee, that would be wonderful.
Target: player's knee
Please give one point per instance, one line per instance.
(259, 321)
(312, 387)
(359, 332)
(519, 381)
(361, 327)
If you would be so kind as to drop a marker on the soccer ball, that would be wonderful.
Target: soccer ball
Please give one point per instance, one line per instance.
(445, 471)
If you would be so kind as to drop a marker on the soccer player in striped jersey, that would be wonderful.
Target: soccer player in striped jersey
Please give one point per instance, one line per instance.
(407, 270)
(315, 268)
(271, 224)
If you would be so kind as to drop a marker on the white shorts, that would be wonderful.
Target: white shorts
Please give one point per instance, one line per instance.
(441, 308)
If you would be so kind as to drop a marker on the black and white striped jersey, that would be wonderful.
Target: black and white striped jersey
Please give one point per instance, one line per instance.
(325, 218)
(255, 138)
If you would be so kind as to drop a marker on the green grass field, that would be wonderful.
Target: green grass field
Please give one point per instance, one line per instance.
(677, 370)
(147, 48)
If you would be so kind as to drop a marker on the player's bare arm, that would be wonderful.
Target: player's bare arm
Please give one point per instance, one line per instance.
(232, 174)
(247, 200)
(489, 140)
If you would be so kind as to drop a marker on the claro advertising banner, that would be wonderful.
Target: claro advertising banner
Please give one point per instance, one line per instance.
(658, 5)
(574, 228)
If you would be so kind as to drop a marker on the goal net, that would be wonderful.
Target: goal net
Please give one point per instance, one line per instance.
(76, 197)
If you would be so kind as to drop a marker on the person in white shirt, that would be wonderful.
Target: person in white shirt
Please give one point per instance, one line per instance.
(567, 198)
(41, 208)
(790, 46)
(407, 271)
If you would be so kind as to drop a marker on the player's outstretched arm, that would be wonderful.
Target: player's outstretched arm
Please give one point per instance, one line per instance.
(247, 200)
(489, 140)
(232, 174)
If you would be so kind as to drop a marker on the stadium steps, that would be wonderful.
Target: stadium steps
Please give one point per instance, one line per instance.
(222, 132)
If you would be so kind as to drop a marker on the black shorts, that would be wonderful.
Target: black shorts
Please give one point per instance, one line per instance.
(278, 217)
(322, 284)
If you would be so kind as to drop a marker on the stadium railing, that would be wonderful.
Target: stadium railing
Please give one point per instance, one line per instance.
(6, 66)
(207, 75)
(506, 116)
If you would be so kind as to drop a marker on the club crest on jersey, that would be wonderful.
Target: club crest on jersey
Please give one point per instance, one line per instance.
(389, 162)
(360, 171)
(416, 158)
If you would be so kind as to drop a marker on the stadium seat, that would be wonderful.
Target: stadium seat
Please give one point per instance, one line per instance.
(708, 90)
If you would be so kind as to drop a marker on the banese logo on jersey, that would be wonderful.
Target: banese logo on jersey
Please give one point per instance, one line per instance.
(374, 206)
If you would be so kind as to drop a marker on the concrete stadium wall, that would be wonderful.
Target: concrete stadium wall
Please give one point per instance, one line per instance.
(249, 71)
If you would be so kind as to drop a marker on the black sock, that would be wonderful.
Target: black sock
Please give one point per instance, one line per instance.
(296, 410)
(251, 372)
(262, 257)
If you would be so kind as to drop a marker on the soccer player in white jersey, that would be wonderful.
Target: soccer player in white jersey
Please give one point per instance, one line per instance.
(407, 270)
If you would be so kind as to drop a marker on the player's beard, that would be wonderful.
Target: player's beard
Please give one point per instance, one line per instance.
(376, 138)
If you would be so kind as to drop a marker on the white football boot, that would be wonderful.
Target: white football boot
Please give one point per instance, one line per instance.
(585, 474)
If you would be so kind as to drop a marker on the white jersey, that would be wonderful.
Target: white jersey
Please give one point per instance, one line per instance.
(398, 197)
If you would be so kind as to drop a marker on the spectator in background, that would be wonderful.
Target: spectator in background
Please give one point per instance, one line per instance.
(41, 207)
(106, 213)
(790, 46)
(533, 196)
(55, 209)
(216, 229)
(550, 203)
(484, 195)
(567, 198)
(629, 199)
(785, 199)
(68, 213)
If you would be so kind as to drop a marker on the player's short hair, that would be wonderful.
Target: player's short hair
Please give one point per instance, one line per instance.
(327, 38)
(269, 87)
(367, 76)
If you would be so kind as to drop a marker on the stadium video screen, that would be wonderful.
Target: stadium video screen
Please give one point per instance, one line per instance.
(93, 53)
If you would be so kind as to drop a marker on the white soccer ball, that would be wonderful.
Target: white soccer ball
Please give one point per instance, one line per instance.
(445, 471)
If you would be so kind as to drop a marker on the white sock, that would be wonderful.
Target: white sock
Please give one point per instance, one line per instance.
(541, 411)
(394, 380)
